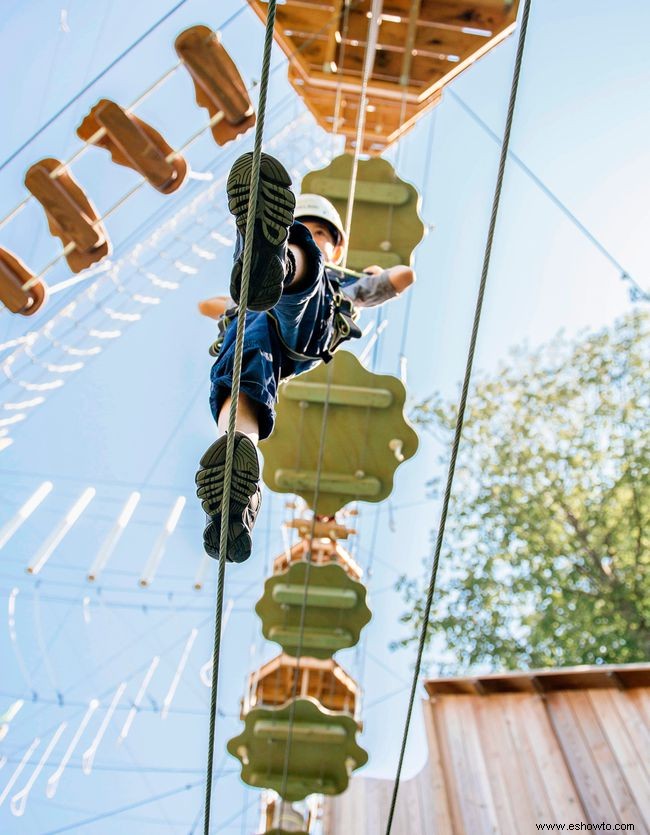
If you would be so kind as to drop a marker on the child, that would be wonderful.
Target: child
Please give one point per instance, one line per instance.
(297, 314)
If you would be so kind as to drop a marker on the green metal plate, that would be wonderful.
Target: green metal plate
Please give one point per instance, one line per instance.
(322, 755)
(335, 614)
(386, 226)
(365, 416)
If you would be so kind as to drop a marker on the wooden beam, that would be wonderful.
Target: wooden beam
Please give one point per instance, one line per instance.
(332, 44)
(410, 43)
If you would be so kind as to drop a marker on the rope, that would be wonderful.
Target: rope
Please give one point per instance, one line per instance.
(234, 392)
(369, 60)
(303, 610)
(463, 398)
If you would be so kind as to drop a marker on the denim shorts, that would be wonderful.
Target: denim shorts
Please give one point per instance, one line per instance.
(304, 318)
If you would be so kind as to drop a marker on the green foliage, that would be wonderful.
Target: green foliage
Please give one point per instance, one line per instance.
(546, 552)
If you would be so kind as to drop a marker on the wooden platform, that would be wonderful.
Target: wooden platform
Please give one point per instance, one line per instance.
(422, 46)
(509, 751)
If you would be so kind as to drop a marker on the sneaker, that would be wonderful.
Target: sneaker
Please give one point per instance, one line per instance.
(245, 496)
(274, 216)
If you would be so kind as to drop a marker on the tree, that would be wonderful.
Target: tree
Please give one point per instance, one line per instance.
(546, 553)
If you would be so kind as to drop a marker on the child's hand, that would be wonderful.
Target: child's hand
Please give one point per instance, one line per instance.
(374, 270)
(215, 307)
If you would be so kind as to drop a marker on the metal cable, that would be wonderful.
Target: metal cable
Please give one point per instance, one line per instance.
(234, 392)
(303, 610)
(552, 197)
(368, 64)
(463, 399)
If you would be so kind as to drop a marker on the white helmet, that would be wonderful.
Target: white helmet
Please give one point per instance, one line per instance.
(314, 205)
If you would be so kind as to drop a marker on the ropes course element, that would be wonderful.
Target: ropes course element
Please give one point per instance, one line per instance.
(13, 637)
(369, 58)
(463, 398)
(24, 512)
(100, 75)
(71, 247)
(19, 800)
(234, 393)
(132, 265)
(26, 291)
(368, 63)
(303, 609)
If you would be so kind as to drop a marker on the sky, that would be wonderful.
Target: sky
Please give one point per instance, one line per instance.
(123, 376)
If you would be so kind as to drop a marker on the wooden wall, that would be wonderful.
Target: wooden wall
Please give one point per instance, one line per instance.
(363, 809)
(509, 752)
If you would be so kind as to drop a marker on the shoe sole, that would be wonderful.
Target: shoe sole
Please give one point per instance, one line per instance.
(240, 543)
(274, 211)
(210, 483)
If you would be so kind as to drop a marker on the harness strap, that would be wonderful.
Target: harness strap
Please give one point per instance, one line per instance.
(344, 328)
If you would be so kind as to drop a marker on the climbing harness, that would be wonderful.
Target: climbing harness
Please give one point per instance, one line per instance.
(344, 325)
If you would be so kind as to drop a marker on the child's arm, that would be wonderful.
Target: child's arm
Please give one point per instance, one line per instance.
(215, 307)
(401, 277)
(379, 285)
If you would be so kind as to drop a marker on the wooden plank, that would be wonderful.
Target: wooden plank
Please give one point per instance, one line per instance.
(604, 759)
(536, 788)
(586, 777)
(499, 772)
(640, 697)
(438, 708)
(465, 63)
(565, 803)
(566, 678)
(491, 16)
(478, 768)
(330, 49)
(441, 824)
(409, 43)
(637, 724)
(468, 765)
(393, 37)
(631, 766)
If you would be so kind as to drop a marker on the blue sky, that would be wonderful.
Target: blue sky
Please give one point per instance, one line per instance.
(135, 417)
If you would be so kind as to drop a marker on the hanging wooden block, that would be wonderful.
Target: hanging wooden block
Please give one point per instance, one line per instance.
(325, 550)
(335, 610)
(283, 818)
(134, 144)
(366, 435)
(13, 276)
(386, 225)
(322, 755)
(70, 215)
(276, 682)
(219, 86)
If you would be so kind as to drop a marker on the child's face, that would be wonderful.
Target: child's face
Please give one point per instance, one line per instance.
(324, 240)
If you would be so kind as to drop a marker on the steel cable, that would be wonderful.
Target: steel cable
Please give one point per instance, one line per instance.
(463, 399)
